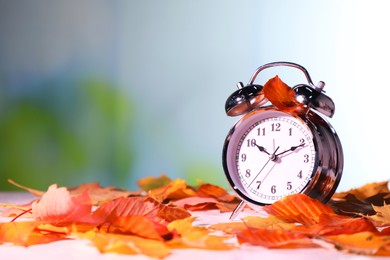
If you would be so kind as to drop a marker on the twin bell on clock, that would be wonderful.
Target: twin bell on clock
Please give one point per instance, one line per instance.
(282, 144)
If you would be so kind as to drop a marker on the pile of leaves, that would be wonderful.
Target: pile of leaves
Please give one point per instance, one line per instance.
(159, 218)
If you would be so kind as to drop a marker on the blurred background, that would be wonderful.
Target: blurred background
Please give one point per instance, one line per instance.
(113, 91)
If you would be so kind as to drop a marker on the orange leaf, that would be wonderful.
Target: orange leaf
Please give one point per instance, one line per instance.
(140, 226)
(336, 225)
(122, 207)
(299, 208)
(57, 206)
(177, 189)
(274, 238)
(17, 233)
(209, 190)
(281, 95)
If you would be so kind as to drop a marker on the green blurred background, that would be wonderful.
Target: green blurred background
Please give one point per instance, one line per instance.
(113, 91)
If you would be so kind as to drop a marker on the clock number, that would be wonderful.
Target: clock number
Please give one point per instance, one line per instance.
(259, 183)
(290, 131)
(275, 127)
(248, 173)
(261, 131)
(306, 160)
(273, 189)
(289, 186)
(302, 141)
(251, 142)
(299, 175)
(243, 157)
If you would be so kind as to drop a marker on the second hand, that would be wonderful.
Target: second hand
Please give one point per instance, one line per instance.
(272, 157)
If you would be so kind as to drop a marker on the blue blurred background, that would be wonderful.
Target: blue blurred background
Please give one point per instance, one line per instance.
(113, 91)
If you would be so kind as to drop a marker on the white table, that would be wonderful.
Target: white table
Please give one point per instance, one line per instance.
(82, 249)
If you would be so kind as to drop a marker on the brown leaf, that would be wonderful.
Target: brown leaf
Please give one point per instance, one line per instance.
(365, 191)
(176, 189)
(209, 190)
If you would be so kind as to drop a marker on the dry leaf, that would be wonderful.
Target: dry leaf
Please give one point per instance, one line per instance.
(176, 189)
(365, 191)
(382, 216)
(209, 190)
(37, 193)
(365, 243)
(58, 206)
(281, 95)
(140, 226)
(17, 233)
(197, 237)
(125, 244)
(151, 183)
(99, 194)
(122, 207)
(271, 238)
(299, 208)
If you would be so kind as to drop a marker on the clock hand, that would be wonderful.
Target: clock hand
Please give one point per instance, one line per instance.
(272, 157)
(262, 149)
(293, 148)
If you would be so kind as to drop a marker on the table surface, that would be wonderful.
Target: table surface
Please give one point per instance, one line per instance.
(82, 249)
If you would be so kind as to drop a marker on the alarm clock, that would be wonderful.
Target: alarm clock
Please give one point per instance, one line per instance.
(273, 152)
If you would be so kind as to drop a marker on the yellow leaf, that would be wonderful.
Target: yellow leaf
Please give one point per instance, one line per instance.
(125, 244)
(17, 233)
(382, 216)
(366, 243)
(197, 237)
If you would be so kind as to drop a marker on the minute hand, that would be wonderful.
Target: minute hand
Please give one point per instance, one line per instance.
(293, 148)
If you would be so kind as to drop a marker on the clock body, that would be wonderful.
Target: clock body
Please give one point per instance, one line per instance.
(270, 154)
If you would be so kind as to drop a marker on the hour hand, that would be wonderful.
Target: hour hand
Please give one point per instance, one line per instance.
(262, 149)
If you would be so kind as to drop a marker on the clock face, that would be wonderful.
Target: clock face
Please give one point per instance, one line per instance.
(272, 155)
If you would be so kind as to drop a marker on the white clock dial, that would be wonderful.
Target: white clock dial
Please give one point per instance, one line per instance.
(275, 156)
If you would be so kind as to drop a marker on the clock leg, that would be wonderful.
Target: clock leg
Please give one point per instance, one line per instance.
(237, 210)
